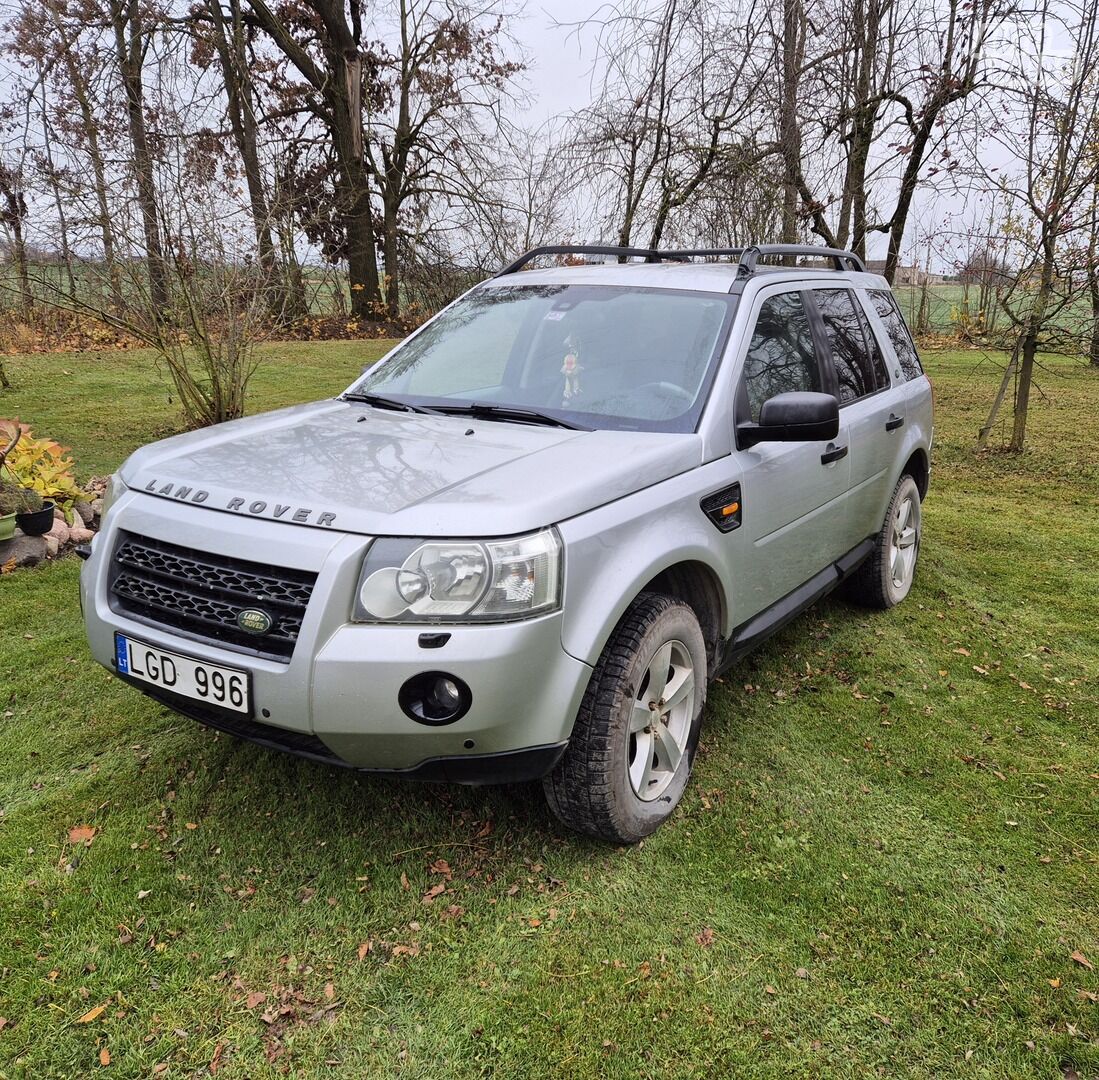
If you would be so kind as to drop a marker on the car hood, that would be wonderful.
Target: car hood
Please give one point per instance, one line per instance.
(351, 468)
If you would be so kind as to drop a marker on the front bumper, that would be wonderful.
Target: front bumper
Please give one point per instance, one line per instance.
(336, 699)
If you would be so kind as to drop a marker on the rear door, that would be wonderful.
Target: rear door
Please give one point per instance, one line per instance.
(871, 405)
(792, 494)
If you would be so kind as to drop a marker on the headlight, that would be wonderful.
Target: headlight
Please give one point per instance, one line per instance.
(439, 581)
(115, 489)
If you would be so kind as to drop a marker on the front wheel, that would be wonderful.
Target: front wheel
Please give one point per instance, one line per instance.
(885, 579)
(636, 733)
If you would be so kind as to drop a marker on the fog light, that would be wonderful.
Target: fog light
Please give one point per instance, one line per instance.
(435, 698)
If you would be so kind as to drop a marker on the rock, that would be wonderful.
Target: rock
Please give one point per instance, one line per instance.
(22, 551)
(80, 536)
(59, 515)
(97, 514)
(52, 546)
(83, 511)
(60, 531)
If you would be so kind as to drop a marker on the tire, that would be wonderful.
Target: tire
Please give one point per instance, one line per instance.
(885, 579)
(607, 785)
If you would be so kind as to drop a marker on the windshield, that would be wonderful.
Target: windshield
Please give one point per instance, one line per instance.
(600, 356)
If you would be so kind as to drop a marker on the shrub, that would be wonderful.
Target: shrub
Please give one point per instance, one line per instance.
(10, 495)
(39, 465)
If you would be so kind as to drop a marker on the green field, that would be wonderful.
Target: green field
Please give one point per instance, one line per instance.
(884, 866)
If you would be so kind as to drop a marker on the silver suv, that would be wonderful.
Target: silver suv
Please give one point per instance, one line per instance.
(522, 544)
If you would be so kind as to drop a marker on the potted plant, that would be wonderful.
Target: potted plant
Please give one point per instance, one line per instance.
(33, 514)
(9, 500)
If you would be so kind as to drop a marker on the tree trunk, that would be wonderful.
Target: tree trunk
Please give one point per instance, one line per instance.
(229, 41)
(130, 56)
(789, 131)
(59, 203)
(1033, 328)
(95, 157)
(14, 214)
(1093, 285)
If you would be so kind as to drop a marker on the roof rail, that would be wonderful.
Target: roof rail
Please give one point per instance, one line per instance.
(748, 256)
(648, 254)
(747, 265)
(687, 253)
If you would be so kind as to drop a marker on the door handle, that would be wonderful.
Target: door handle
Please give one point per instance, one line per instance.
(894, 422)
(833, 453)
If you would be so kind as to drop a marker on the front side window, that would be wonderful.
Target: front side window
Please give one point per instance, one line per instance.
(886, 306)
(855, 371)
(781, 357)
(598, 355)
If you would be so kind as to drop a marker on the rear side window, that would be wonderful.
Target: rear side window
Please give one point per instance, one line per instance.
(859, 371)
(885, 305)
(780, 357)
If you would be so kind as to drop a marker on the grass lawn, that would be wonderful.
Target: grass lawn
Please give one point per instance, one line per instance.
(884, 865)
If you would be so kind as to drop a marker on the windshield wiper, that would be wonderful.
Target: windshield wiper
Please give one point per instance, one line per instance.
(380, 401)
(483, 411)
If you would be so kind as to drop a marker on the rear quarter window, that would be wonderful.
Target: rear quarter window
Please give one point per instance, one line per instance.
(885, 305)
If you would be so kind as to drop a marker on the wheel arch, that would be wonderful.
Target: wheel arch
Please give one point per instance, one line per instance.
(918, 467)
(695, 584)
(692, 578)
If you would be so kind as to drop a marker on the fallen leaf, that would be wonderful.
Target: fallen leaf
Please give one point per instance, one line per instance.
(1088, 995)
(256, 997)
(404, 881)
(535, 922)
(1054, 983)
(485, 830)
(802, 973)
(142, 893)
(215, 1061)
(961, 651)
(92, 1014)
(769, 989)
(705, 938)
(104, 1056)
(364, 948)
(1082, 960)
(82, 834)
(435, 890)
(329, 991)
(191, 825)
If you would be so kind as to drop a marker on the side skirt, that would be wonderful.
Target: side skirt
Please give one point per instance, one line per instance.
(751, 634)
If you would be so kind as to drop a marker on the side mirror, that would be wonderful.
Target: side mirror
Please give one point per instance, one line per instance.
(798, 416)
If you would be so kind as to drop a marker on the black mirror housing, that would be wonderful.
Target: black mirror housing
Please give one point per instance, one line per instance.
(798, 416)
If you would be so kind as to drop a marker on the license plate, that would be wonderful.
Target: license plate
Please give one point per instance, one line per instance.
(216, 685)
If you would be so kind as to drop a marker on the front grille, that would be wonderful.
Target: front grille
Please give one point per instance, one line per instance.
(200, 595)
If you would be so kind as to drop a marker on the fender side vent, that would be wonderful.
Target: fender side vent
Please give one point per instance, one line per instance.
(724, 508)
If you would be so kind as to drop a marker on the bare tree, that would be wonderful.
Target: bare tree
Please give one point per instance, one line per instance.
(427, 97)
(133, 23)
(676, 109)
(1051, 131)
(322, 41)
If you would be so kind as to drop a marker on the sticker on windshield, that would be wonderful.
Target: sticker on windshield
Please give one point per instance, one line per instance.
(554, 316)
